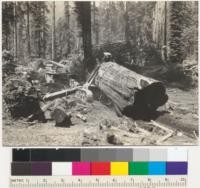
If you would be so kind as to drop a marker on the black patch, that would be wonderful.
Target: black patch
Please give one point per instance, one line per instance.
(146, 102)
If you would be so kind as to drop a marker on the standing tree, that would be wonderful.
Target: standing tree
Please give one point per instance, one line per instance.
(44, 28)
(7, 25)
(15, 29)
(16, 17)
(53, 31)
(95, 23)
(84, 17)
(38, 26)
(67, 17)
(190, 30)
(177, 18)
(67, 33)
(21, 34)
(126, 18)
(108, 25)
(28, 38)
(19, 25)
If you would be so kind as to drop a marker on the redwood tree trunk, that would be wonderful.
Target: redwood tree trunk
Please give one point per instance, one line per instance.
(95, 24)
(53, 32)
(87, 36)
(84, 18)
(28, 30)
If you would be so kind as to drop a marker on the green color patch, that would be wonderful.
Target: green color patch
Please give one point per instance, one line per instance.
(138, 168)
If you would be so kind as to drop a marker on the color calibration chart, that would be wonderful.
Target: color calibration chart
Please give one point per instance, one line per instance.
(62, 168)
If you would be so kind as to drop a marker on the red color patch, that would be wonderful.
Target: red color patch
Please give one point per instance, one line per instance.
(100, 168)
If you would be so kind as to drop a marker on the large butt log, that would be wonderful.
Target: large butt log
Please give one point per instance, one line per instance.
(132, 93)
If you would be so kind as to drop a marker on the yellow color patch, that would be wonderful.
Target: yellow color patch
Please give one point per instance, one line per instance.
(119, 168)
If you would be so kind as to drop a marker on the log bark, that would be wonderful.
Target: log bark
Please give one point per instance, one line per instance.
(61, 93)
(133, 94)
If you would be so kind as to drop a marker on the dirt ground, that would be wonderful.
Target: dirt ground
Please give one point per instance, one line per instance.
(103, 127)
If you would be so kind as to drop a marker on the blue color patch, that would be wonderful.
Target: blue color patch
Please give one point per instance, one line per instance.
(157, 168)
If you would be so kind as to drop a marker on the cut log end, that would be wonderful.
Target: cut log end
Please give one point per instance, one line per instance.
(146, 102)
(61, 118)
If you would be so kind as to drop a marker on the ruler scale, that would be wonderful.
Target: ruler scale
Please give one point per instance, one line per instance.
(99, 181)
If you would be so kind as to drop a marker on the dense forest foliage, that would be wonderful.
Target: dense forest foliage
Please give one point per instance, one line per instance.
(31, 30)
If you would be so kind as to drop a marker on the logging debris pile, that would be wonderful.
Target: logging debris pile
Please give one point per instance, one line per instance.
(21, 98)
(190, 68)
(42, 97)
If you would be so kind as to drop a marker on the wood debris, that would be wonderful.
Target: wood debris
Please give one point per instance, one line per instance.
(82, 117)
(169, 132)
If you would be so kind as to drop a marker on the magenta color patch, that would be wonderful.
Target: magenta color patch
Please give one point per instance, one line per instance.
(81, 168)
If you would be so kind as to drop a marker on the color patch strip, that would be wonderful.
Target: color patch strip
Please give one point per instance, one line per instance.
(119, 168)
(62, 168)
(157, 168)
(177, 154)
(90, 154)
(101, 155)
(177, 168)
(124, 155)
(138, 168)
(100, 168)
(60, 155)
(21, 155)
(20, 169)
(157, 155)
(140, 155)
(80, 168)
(41, 168)
(107, 155)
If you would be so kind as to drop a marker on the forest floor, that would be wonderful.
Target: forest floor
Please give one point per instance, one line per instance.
(104, 127)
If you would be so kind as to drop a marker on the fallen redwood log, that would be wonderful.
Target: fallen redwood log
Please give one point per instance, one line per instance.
(132, 94)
